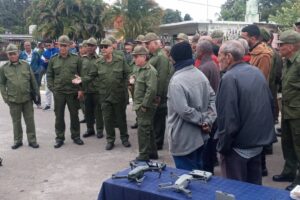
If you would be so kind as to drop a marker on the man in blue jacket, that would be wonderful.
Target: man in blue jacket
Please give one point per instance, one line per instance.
(35, 62)
(245, 116)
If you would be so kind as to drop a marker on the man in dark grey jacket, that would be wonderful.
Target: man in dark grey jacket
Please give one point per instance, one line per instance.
(245, 116)
(191, 110)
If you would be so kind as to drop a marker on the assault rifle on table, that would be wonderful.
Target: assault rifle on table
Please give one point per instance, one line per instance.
(136, 174)
(184, 180)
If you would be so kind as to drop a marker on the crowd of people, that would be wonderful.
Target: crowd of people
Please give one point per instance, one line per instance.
(213, 95)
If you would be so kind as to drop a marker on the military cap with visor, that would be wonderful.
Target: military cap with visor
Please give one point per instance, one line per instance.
(289, 37)
(266, 36)
(64, 39)
(92, 41)
(182, 36)
(150, 37)
(140, 50)
(217, 34)
(140, 38)
(106, 41)
(112, 39)
(11, 48)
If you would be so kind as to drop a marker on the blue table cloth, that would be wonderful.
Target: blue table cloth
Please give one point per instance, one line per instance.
(122, 189)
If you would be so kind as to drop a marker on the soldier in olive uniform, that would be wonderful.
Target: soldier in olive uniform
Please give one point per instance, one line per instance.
(61, 70)
(163, 67)
(289, 47)
(17, 85)
(111, 73)
(144, 105)
(92, 102)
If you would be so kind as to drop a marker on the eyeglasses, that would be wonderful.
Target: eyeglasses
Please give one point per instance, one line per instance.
(104, 46)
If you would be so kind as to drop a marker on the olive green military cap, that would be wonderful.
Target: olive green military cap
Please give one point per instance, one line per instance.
(150, 37)
(140, 50)
(289, 37)
(182, 36)
(11, 48)
(140, 38)
(297, 22)
(83, 43)
(92, 41)
(217, 34)
(106, 42)
(64, 39)
(266, 36)
(112, 39)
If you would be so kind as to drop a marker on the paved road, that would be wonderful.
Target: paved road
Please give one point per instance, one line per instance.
(72, 172)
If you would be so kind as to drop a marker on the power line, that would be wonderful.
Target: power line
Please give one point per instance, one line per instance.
(202, 4)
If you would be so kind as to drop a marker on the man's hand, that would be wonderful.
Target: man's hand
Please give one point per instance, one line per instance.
(80, 95)
(143, 109)
(76, 80)
(205, 127)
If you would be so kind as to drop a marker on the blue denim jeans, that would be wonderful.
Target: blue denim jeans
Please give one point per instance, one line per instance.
(190, 161)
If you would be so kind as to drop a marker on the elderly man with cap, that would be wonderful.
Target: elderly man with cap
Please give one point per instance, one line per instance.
(163, 67)
(17, 86)
(61, 70)
(111, 73)
(93, 110)
(140, 40)
(191, 109)
(144, 103)
(217, 39)
(182, 37)
(289, 47)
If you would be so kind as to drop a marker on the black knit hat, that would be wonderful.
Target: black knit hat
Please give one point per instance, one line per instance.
(181, 51)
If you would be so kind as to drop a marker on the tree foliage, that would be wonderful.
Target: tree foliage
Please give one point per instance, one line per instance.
(267, 8)
(12, 15)
(233, 10)
(138, 17)
(171, 16)
(79, 19)
(288, 14)
(187, 17)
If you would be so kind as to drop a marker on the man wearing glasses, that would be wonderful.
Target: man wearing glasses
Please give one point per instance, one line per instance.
(111, 73)
(16, 82)
(61, 70)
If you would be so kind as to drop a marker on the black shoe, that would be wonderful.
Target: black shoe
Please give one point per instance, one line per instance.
(291, 187)
(88, 134)
(58, 144)
(78, 141)
(34, 145)
(135, 126)
(126, 144)
(17, 145)
(153, 156)
(46, 108)
(109, 146)
(82, 121)
(140, 159)
(100, 134)
(282, 178)
(264, 172)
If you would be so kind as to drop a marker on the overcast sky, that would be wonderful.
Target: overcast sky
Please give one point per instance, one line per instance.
(196, 8)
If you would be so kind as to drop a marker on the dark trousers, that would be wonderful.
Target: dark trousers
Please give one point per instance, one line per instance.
(190, 161)
(60, 102)
(159, 124)
(16, 112)
(209, 155)
(114, 113)
(233, 166)
(290, 141)
(93, 112)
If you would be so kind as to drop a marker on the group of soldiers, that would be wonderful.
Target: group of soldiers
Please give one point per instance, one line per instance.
(100, 83)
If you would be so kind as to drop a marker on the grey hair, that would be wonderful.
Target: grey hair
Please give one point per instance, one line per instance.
(234, 48)
(205, 46)
(245, 44)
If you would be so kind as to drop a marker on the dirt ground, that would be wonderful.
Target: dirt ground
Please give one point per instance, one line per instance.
(73, 172)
